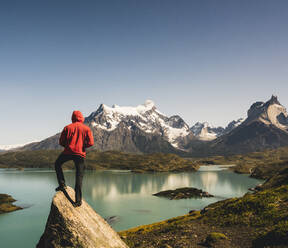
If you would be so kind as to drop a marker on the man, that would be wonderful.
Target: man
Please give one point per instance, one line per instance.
(74, 138)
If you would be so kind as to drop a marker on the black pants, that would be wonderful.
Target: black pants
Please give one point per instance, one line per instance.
(80, 166)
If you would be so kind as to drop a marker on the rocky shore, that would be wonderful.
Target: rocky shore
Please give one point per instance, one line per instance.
(257, 219)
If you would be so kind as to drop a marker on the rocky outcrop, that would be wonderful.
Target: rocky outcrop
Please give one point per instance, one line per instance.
(183, 193)
(6, 205)
(79, 227)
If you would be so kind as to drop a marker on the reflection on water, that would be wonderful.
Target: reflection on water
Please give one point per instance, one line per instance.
(209, 180)
(106, 185)
(126, 195)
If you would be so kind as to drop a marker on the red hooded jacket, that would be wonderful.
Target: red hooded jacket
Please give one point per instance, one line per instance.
(76, 136)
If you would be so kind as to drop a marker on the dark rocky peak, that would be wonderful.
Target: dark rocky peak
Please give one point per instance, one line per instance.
(282, 119)
(176, 121)
(233, 124)
(269, 113)
(100, 110)
(260, 107)
(255, 107)
(197, 125)
(218, 130)
(273, 100)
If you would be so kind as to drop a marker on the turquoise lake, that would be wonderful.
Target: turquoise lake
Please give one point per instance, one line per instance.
(125, 195)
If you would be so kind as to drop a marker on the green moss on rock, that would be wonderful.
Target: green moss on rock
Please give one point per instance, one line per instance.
(183, 193)
(266, 207)
(6, 205)
(4, 198)
(214, 237)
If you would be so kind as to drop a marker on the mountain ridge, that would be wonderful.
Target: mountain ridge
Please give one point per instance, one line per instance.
(206, 132)
(144, 129)
(131, 129)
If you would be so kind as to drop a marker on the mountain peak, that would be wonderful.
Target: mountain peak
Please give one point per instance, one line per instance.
(270, 112)
(101, 108)
(149, 103)
(273, 100)
(260, 107)
(122, 110)
(144, 117)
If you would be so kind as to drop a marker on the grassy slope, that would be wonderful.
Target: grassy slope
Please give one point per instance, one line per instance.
(254, 220)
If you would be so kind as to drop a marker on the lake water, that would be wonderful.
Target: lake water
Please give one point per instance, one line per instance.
(123, 194)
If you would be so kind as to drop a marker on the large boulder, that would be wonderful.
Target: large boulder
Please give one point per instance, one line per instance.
(79, 227)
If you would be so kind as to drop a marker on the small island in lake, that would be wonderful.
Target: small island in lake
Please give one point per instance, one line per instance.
(6, 205)
(183, 193)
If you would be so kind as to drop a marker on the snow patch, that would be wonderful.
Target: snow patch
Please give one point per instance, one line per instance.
(204, 131)
(10, 147)
(273, 112)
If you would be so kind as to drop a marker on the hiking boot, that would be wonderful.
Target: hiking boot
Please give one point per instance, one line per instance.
(77, 204)
(61, 188)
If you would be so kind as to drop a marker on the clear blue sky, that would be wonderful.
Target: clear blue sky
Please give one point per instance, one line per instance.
(204, 60)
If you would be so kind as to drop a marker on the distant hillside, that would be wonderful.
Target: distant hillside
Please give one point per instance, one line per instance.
(100, 160)
(258, 164)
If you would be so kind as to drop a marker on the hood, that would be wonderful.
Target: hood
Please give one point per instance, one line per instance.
(77, 116)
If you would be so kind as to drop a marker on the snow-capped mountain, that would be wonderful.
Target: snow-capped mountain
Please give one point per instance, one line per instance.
(145, 129)
(131, 129)
(204, 131)
(145, 117)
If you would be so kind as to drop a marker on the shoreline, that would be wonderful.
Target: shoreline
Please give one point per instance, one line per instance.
(105, 170)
